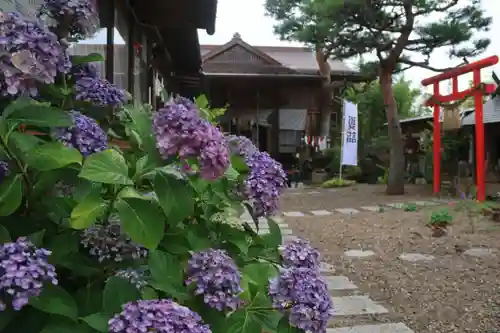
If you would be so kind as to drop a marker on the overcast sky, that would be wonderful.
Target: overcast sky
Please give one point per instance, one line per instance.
(249, 20)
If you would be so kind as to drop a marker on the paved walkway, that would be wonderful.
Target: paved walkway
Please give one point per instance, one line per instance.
(348, 301)
(376, 209)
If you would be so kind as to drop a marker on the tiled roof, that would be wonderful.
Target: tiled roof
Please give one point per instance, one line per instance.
(301, 59)
(491, 113)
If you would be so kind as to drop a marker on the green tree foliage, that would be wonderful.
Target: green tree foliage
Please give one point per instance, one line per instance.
(398, 32)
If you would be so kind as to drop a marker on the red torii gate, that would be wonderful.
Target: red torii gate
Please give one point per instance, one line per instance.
(477, 91)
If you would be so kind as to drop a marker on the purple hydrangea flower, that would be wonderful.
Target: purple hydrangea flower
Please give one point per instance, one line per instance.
(4, 171)
(28, 54)
(180, 131)
(240, 145)
(159, 316)
(79, 17)
(23, 271)
(99, 91)
(86, 135)
(304, 294)
(300, 253)
(264, 183)
(216, 277)
(108, 242)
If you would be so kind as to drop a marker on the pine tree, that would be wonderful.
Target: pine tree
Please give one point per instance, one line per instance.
(397, 32)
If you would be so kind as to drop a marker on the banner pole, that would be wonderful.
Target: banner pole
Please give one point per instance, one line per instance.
(342, 107)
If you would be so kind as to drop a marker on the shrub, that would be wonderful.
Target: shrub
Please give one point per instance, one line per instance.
(337, 182)
(96, 238)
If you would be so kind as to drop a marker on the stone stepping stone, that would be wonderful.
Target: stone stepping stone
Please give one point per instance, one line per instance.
(382, 328)
(396, 205)
(326, 268)
(284, 232)
(293, 214)
(320, 212)
(339, 283)
(347, 211)
(481, 252)
(371, 208)
(313, 192)
(425, 203)
(355, 305)
(414, 257)
(359, 253)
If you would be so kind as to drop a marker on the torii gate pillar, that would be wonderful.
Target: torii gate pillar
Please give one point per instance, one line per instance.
(477, 92)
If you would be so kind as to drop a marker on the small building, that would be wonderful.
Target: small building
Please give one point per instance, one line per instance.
(271, 92)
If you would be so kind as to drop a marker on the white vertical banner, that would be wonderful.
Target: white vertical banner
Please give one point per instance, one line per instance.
(350, 134)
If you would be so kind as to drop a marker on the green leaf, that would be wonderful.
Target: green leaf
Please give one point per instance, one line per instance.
(148, 293)
(52, 155)
(167, 273)
(91, 57)
(63, 245)
(56, 300)
(142, 125)
(88, 211)
(118, 292)
(142, 220)
(273, 238)
(238, 163)
(243, 321)
(108, 167)
(23, 142)
(84, 188)
(11, 195)
(260, 273)
(175, 196)
(41, 115)
(285, 327)
(4, 235)
(37, 238)
(98, 321)
(56, 325)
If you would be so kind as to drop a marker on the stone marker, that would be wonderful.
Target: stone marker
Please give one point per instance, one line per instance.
(371, 208)
(326, 268)
(320, 212)
(339, 283)
(293, 214)
(347, 211)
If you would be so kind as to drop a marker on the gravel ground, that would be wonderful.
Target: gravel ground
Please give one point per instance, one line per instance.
(452, 293)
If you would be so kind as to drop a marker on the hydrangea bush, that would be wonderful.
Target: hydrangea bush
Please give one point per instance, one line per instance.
(97, 238)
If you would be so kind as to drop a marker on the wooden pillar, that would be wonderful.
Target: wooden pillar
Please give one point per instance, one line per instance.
(274, 120)
(131, 51)
(110, 40)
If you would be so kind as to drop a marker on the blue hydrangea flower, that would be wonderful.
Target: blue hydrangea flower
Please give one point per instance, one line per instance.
(216, 277)
(264, 183)
(109, 242)
(180, 131)
(135, 276)
(240, 145)
(300, 253)
(100, 92)
(86, 135)
(159, 316)
(79, 16)
(304, 295)
(4, 171)
(28, 54)
(23, 271)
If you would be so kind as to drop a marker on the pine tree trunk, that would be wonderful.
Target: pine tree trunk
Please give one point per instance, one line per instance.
(396, 180)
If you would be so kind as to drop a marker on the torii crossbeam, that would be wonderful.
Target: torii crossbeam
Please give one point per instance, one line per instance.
(437, 100)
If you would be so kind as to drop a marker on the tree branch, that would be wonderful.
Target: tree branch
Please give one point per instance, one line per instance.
(425, 65)
(405, 34)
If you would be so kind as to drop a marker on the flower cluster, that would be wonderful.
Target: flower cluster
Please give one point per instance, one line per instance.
(135, 276)
(23, 270)
(4, 171)
(28, 54)
(216, 277)
(78, 17)
(108, 242)
(160, 316)
(303, 293)
(180, 131)
(84, 70)
(99, 91)
(264, 183)
(85, 135)
(300, 253)
(240, 145)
